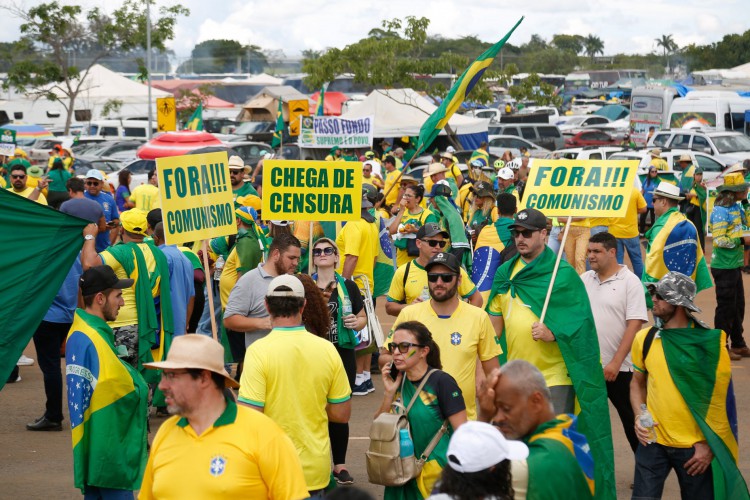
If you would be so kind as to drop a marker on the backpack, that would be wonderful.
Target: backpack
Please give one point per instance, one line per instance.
(384, 463)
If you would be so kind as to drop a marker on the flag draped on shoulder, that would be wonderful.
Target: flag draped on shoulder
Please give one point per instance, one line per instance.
(699, 366)
(107, 400)
(195, 122)
(278, 132)
(384, 270)
(487, 255)
(569, 317)
(458, 93)
(37, 239)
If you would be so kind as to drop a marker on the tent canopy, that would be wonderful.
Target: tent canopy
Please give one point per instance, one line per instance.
(332, 102)
(402, 112)
(263, 106)
(101, 85)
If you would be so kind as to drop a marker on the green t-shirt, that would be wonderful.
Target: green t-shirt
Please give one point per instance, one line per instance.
(57, 180)
(246, 190)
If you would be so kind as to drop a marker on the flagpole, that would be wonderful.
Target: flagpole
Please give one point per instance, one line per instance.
(554, 271)
(209, 283)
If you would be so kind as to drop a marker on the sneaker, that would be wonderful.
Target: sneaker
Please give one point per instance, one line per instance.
(18, 379)
(370, 387)
(25, 361)
(360, 390)
(343, 477)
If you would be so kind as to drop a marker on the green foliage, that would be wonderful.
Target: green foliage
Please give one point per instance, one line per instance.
(731, 51)
(223, 56)
(593, 45)
(111, 107)
(532, 88)
(550, 60)
(189, 100)
(570, 43)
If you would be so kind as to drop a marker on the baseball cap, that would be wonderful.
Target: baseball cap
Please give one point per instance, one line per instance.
(529, 218)
(99, 278)
(445, 259)
(134, 221)
(477, 446)
(431, 229)
(294, 285)
(440, 188)
(195, 351)
(370, 194)
(676, 289)
(505, 174)
(94, 174)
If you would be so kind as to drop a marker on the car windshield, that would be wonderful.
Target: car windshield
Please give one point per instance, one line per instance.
(575, 120)
(253, 127)
(731, 143)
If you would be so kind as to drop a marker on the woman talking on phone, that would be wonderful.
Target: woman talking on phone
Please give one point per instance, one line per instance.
(347, 317)
(416, 357)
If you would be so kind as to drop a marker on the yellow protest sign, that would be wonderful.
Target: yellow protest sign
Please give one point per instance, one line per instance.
(580, 188)
(311, 190)
(166, 114)
(297, 109)
(196, 197)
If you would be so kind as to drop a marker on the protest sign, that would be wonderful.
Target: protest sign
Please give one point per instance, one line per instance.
(196, 197)
(329, 131)
(166, 114)
(7, 149)
(7, 136)
(312, 190)
(580, 188)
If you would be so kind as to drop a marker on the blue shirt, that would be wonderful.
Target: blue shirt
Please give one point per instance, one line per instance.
(180, 284)
(110, 213)
(63, 307)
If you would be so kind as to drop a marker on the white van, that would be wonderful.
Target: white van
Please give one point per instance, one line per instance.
(114, 129)
(709, 110)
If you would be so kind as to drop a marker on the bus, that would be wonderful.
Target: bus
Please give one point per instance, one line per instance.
(649, 110)
(600, 78)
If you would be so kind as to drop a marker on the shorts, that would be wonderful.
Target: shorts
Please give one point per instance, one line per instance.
(126, 343)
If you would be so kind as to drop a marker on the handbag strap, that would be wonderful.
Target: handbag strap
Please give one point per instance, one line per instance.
(434, 442)
(419, 388)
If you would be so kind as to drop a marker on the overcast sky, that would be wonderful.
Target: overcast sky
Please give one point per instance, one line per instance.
(294, 25)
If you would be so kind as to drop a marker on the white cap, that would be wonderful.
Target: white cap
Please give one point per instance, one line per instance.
(668, 190)
(94, 174)
(450, 149)
(286, 280)
(477, 446)
(505, 174)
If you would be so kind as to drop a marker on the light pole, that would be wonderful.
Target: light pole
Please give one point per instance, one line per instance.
(148, 65)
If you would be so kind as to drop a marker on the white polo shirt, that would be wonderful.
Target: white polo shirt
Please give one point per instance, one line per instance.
(614, 301)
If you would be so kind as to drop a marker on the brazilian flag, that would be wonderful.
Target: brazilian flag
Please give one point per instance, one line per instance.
(459, 92)
(320, 108)
(195, 122)
(279, 130)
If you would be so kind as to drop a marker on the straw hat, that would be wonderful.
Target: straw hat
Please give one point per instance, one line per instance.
(236, 162)
(668, 190)
(656, 152)
(434, 168)
(733, 182)
(685, 157)
(195, 351)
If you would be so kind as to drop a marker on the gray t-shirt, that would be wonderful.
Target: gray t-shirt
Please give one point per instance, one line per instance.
(248, 298)
(83, 208)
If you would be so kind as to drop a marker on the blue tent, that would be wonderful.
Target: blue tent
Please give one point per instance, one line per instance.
(613, 111)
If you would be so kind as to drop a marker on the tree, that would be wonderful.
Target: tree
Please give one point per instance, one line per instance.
(225, 56)
(668, 45)
(56, 31)
(532, 88)
(570, 43)
(593, 45)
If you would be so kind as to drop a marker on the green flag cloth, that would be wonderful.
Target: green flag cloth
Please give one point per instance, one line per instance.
(458, 93)
(279, 130)
(384, 265)
(570, 320)
(699, 366)
(320, 108)
(452, 222)
(39, 245)
(195, 122)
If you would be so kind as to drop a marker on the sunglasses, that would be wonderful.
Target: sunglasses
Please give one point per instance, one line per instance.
(526, 233)
(436, 243)
(657, 296)
(92, 183)
(445, 277)
(317, 252)
(18, 176)
(403, 347)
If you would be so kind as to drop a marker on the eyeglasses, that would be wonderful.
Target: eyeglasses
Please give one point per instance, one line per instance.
(436, 243)
(317, 252)
(403, 347)
(92, 183)
(526, 233)
(172, 375)
(445, 277)
(18, 176)
(407, 195)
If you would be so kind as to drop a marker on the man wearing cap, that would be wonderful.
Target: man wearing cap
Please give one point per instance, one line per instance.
(18, 179)
(107, 397)
(517, 401)
(506, 182)
(298, 380)
(409, 284)
(435, 172)
(683, 377)
(358, 242)
(146, 196)
(688, 171)
(94, 184)
(673, 241)
(563, 345)
(731, 212)
(451, 163)
(657, 161)
(462, 331)
(212, 447)
(237, 171)
(334, 154)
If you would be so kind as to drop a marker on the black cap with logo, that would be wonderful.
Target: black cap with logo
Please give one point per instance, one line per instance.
(100, 278)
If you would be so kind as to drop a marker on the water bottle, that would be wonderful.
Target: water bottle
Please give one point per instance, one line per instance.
(346, 307)
(405, 444)
(218, 267)
(647, 422)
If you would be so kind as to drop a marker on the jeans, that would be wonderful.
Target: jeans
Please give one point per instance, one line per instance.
(204, 325)
(652, 466)
(642, 220)
(552, 242)
(97, 493)
(576, 246)
(730, 304)
(47, 341)
(618, 391)
(633, 246)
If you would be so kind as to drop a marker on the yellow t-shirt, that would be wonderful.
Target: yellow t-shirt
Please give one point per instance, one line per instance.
(677, 426)
(627, 227)
(391, 179)
(146, 197)
(359, 238)
(128, 314)
(302, 233)
(417, 220)
(416, 283)
(42, 200)
(244, 454)
(581, 223)
(519, 317)
(292, 375)
(228, 277)
(659, 163)
(466, 334)
(597, 221)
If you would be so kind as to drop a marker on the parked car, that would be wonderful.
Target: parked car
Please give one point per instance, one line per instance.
(498, 144)
(580, 121)
(109, 166)
(546, 136)
(139, 168)
(590, 138)
(253, 131)
(553, 115)
(586, 153)
(712, 167)
(250, 151)
(727, 147)
(124, 150)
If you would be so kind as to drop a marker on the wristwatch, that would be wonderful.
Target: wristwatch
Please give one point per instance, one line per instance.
(88, 237)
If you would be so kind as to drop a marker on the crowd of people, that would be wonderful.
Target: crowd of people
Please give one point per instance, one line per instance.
(502, 353)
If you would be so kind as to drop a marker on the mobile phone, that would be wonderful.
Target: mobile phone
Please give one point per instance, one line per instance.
(394, 371)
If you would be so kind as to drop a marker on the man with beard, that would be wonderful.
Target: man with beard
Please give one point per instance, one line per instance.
(237, 171)
(462, 332)
(213, 447)
(18, 178)
(246, 305)
(94, 185)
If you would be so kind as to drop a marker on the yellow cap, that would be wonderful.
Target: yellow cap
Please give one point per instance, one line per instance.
(134, 221)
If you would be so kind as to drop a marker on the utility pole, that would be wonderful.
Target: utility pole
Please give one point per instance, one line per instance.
(148, 66)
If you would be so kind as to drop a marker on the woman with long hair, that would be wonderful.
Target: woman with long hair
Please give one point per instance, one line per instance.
(122, 195)
(416, 359)
(315, 315)
(347, 310)
(57, 187)
(483, 209)
(409, 218)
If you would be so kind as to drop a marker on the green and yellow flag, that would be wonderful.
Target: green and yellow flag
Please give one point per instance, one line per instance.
(320, 108)
(459, 92)
(195, 122)
(278, 132)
